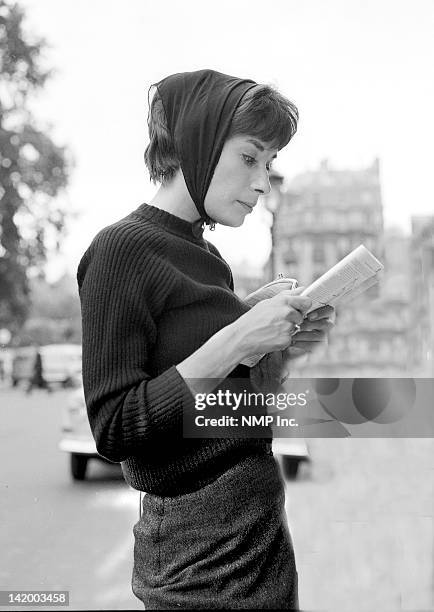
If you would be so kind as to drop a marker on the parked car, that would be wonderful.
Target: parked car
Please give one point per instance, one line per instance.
(60, 363)
(77, 440)
(22, 364)
(293, 452)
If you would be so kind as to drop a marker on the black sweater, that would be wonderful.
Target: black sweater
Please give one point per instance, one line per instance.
(152, 292)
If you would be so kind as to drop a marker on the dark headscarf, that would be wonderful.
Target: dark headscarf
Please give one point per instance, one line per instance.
(199, 107)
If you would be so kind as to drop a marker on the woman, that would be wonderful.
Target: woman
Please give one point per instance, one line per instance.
(161, 319)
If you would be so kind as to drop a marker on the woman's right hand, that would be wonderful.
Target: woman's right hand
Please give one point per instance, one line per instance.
(268, 326)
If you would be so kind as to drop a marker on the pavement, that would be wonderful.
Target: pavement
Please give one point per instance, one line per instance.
(361, 517)
(360, 514)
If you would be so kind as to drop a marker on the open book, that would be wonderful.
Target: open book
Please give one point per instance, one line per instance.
(347, 279)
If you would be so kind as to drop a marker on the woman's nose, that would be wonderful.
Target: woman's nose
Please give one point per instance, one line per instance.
(261, 183)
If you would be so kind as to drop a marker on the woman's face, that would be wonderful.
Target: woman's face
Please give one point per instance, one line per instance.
(240, 177)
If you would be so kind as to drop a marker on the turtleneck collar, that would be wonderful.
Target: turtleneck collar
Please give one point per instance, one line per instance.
(172, 223)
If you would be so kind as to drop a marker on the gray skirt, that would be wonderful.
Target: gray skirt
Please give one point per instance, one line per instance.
(225, 546)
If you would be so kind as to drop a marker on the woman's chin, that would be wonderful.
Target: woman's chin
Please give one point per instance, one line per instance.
(231, 222)
(230, 215)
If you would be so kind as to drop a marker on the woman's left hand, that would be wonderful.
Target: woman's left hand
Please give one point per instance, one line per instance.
(312, 332)
(271, 372)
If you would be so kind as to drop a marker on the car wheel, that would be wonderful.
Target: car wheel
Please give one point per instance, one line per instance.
(290, 467)
(78, 466)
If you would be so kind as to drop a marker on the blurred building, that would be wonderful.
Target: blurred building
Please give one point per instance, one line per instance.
(323, 216)
(422, 285)
(272, 203)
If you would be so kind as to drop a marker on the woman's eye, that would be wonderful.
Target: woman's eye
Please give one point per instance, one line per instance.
(249, 160)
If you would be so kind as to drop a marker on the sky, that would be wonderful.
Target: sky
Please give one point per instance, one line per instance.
(360, 72)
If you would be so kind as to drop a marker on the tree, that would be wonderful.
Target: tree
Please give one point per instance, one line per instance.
(33, 170)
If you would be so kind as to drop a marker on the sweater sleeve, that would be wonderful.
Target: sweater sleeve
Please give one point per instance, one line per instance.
(122, 286)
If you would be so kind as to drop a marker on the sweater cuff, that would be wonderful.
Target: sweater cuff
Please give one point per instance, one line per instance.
(168, 395)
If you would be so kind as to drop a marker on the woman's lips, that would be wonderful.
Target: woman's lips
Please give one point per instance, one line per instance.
(248, 207)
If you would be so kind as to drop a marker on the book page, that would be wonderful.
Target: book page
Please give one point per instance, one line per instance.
(344, 279)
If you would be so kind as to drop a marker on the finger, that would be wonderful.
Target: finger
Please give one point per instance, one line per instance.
(321, 313)
(302, 347)
(297, 291)
(299, 353)
(295, 317)
(274, 360)
(321, 325)
(312, 336)
(299, 302)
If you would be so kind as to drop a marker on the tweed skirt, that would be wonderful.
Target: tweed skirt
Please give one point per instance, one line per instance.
(224, 546)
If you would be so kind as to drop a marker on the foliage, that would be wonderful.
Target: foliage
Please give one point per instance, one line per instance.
(33, 169)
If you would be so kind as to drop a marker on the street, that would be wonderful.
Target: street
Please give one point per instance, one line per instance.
(60, 535)
(361, 518)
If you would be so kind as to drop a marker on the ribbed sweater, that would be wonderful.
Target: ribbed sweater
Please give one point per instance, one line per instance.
(152, 292)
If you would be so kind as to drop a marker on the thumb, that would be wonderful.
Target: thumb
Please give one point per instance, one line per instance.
(298, 290)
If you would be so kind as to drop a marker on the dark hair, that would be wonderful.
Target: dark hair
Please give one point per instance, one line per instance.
(263, 112)
(267, 114)
(160, 156)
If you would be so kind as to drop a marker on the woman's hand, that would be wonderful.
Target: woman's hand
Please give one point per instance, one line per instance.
(268, 326)
(312, 332)
(271, 372)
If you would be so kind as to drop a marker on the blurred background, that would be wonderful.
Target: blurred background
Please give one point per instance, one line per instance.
(73, 108)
